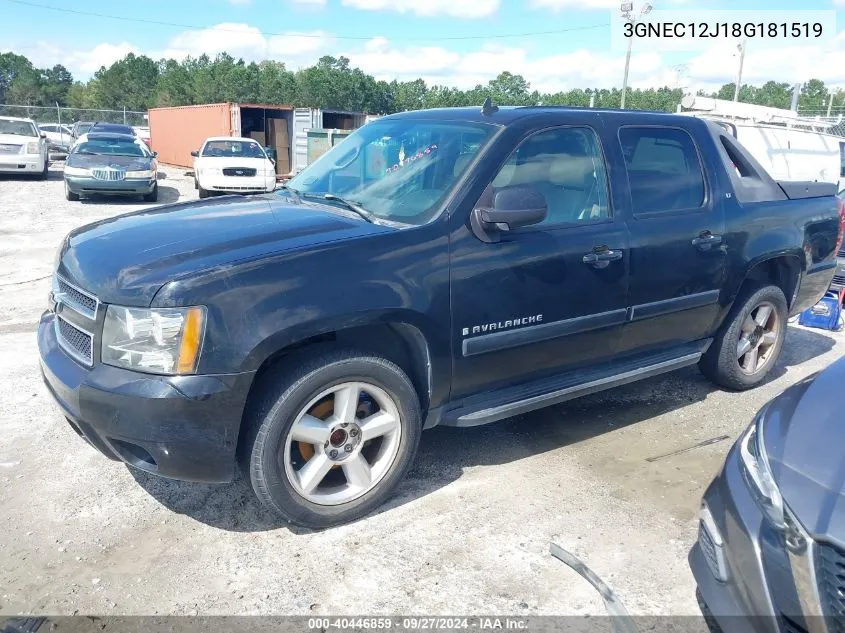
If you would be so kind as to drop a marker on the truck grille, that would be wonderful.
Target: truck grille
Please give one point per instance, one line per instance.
(108, 174)
(831, 579)
(8, 148)
(238, 171)
(77, 299)
(76, 342)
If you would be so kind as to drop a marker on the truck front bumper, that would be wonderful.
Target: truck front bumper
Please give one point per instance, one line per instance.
(238, 184)
(20, 164)
(89, 186)
(182, 427)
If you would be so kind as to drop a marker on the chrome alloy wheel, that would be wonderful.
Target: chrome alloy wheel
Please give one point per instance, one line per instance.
(342, 443)
(758, 338)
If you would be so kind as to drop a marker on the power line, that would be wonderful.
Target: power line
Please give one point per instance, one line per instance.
(304, 35)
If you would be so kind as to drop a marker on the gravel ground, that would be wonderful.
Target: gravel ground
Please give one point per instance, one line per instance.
(468, 533)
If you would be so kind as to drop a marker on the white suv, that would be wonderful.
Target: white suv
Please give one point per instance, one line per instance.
(23, 149)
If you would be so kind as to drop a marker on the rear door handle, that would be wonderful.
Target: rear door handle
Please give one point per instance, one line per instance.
(706, 241)
(601, 258)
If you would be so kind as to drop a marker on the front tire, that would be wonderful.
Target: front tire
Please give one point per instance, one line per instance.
(332, 438)
(153, 195)
(203, 193)
(749, 343)
(45, 171)
(69, 195)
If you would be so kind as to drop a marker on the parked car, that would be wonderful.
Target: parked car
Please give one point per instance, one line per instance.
(106, 128)
(453, 267)
(143, 133)
(59, 137)
(228, 164)
(771, 542)
(111, 164)
(79, 128)
(23, 149)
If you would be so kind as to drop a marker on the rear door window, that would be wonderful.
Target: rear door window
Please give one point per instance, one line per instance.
(664, 169)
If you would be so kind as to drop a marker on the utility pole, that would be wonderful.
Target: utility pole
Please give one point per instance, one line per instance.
(627, 9)
(741, 49)
(829, 105)
(796, 91)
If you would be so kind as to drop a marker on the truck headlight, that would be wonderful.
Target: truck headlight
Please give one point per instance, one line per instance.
(33, 148)
(211, 171)
(156, 340)
(144, 173)
(77, 171)
(758, 474)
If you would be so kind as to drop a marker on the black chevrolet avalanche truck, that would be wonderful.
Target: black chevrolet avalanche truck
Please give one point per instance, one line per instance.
(445, 267)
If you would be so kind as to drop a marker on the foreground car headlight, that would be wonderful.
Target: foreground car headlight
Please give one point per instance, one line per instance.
(33, 148)
(755, 463)
(144, 173)
(77, 171)
(156, 340)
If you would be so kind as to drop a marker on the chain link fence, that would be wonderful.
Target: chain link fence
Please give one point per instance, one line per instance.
(45, 114)
(822, 121)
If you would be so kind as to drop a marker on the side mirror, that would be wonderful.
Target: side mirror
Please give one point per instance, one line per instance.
(155, 154)
(512, 207)
(195, 153)
(43, 135)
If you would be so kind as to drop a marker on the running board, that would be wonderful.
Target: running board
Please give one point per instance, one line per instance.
(600, 382)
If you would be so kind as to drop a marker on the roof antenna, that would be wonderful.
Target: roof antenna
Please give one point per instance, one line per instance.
(488, 108)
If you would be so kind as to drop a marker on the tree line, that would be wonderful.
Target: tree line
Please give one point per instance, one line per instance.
(138, 82)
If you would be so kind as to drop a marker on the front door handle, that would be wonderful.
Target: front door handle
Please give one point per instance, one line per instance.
(601, 258)
(706, 241)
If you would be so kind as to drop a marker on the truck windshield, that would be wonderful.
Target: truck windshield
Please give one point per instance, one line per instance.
(17, 128)
(397, 170)
(236, 149)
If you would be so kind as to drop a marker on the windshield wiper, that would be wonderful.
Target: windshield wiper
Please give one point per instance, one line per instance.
(352, 206)
(295, 192)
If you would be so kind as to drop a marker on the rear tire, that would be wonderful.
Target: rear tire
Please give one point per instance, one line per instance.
(359, 464)
(153, 195)
(750, 340)
(69, 195)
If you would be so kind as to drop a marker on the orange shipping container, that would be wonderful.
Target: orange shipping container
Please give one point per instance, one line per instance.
(176, 132)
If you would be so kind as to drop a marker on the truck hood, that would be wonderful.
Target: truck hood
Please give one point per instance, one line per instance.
(804, 436)
(16, 139)
(127, 259)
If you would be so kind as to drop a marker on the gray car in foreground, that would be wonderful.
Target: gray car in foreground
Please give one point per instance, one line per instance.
(770, 554)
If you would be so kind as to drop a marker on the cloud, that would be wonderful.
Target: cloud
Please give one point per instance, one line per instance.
(243, 40)
(82, 62)
(792, 64)
(445, 65)
(430, 8)
(438, 65)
